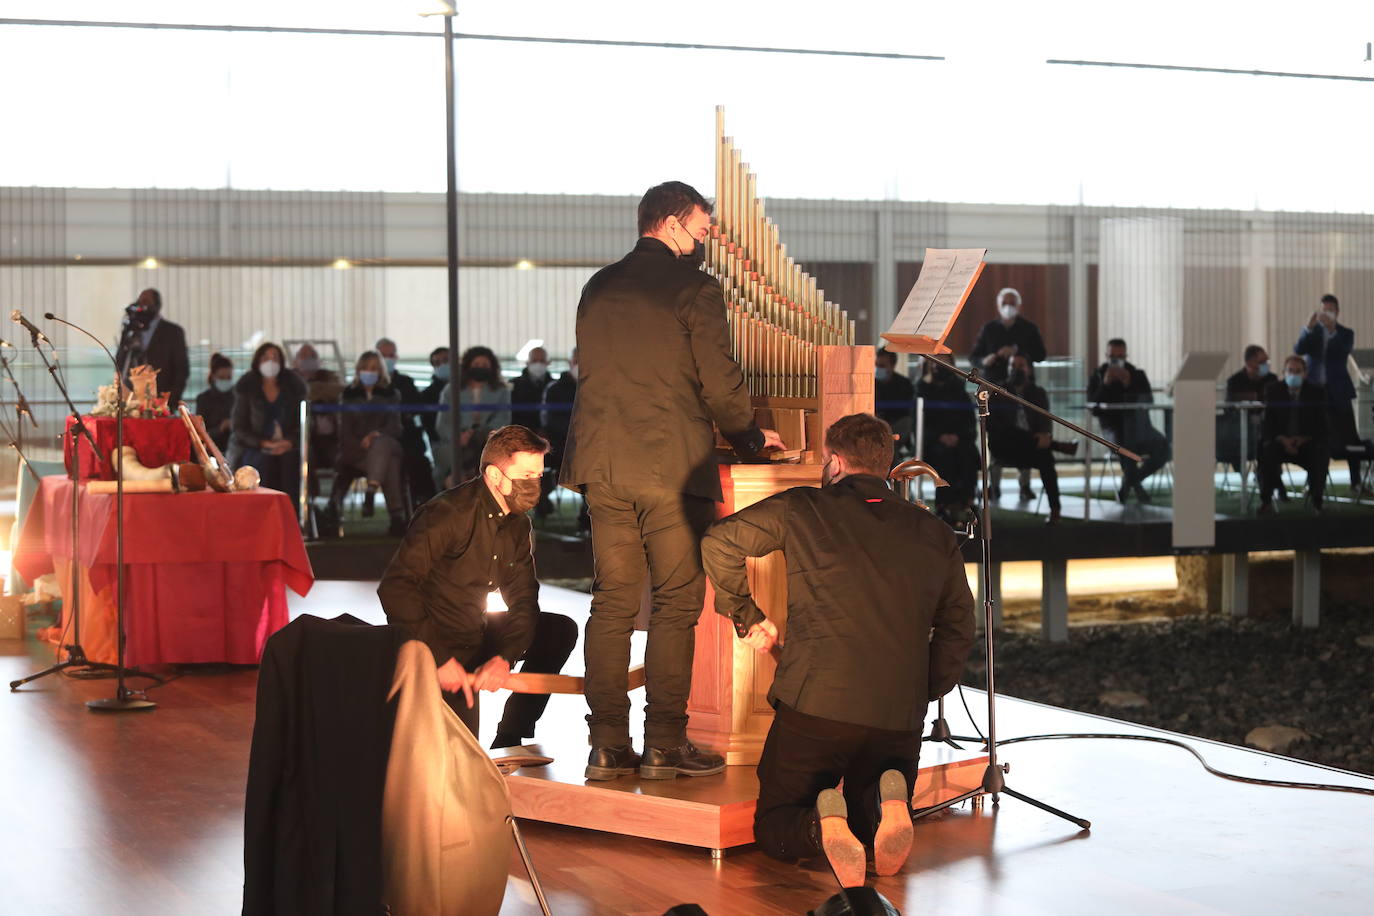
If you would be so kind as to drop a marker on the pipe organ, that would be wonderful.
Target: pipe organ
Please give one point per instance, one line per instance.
(804, 372)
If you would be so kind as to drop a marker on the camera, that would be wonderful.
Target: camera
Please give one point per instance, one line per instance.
(137, 317)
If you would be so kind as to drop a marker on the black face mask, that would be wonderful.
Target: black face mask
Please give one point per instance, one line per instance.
(523, 495)
(480, 374)
(697, 256)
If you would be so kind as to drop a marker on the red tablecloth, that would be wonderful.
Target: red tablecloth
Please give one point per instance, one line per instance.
(206, 572)
(155, 440)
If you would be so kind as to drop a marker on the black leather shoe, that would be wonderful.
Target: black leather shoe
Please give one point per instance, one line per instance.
(1143, 495)
(683, 760)
(610, 762)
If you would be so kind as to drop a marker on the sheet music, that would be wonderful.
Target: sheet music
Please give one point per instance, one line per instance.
(946, 276)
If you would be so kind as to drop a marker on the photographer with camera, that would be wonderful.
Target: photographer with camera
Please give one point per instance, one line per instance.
(147, 339)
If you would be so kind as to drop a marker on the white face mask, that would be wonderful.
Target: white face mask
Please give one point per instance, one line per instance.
(538, 370)
(269, 368)
(1008, 311)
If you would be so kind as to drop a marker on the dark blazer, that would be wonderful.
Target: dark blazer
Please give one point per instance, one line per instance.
(656, 370)
(897, 389)
(1313, 346)
(167, 354)
(251, 408)
(1002, 415)
(355, 424)
(952, 412)
(994, 335)
(879, 613)
(1280, 405)
(526, 389)
(1124, 426)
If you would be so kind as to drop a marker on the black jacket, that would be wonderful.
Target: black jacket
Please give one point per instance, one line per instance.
(1285, 415)
(952, 409)
(526, 389)
(429, 418)
(1122, 426)
(214, 407)
(1241, 387)
(561, 395)
(167, 354)
(458, 549)
(312, 837)
(656, 370)
(994, 335)
(1004, 414)
(897, 389)
(355, 424)
(251, 408)
(879, 613)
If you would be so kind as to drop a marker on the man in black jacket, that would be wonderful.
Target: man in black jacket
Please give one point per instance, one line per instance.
(655, 372)
(1118, 382)
(462, 545)
(151, 340)
(419, 476)
(528, 388)
(879, 623)
(1295, 430)
(1022, 438)
(1004, 337)
(950, 440)
(894, 396)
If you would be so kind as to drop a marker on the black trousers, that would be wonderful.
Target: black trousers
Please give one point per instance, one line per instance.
(638, 533)
(959, 466)
(1313, 457)
(555, 637)
(1341, 420)
(1016, 448)
(1153, 446)
(805, 754)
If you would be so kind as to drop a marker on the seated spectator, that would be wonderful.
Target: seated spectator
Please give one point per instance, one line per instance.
(556, 417)
(438, 381)
(1246, 385)
(1022, 438)
(266, 428)
(215, 405)
(528, 388)
(416, 473)
(482, 405)
(322, 386)
(370, 441)
(1118, 382)
(949, 440)
(894, 397)
(1294, 430)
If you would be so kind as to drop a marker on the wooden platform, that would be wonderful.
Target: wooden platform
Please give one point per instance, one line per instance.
(712, 812)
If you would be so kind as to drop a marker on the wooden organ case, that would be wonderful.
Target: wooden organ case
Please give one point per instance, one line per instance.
(804, 372)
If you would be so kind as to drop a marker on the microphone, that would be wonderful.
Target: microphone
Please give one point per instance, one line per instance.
(18, 318)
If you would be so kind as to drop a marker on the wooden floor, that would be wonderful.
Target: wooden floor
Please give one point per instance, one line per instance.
(141, 813)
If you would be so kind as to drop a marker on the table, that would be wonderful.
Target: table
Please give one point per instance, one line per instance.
(206, 573)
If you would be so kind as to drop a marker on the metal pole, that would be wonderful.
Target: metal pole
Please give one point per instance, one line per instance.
(450, 118)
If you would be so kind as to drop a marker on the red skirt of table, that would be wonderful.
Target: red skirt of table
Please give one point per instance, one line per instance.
(206, 573)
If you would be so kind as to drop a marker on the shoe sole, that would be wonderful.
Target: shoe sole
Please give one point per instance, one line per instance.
(892, 842)
(608, 772)
(842, 850)
(674, 772)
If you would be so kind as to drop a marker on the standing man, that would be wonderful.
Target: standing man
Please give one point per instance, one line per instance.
(894, 395)
(462, 545)
(148, 339)
(1004, 337)
(655, 372)
(1326, 344)
(528, 389)
(879, 623)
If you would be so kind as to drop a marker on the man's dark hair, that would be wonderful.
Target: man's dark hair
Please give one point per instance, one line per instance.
(1116, 342)
(508, 440)
(1332, 300)
(436, 351)
(886, 354)
(672, 198)
(864, 440)
(1295, 358)
(1252, 351)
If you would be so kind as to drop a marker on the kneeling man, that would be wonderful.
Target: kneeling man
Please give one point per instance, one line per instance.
(462, 545)
(879, 623)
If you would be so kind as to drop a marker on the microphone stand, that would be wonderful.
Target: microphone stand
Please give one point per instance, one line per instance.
(993, 783)
(21, 410)
(76, 656)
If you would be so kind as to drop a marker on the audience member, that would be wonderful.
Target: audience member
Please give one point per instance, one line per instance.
(1118, 382)
(1246, 385)
(949, 440)
(322, 386)
(528, 388)
(1022, 438)
(215, 405)
(1295, 430)
(148, 339)
(267, 420)
(1326, 344)
(438, 381)
(370, 441)
(416, 474)
(482, 406)
(556, 417)
(894, 396)
(1005, 336)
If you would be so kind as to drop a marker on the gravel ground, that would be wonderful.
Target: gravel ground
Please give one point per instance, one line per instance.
(1213, 677)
